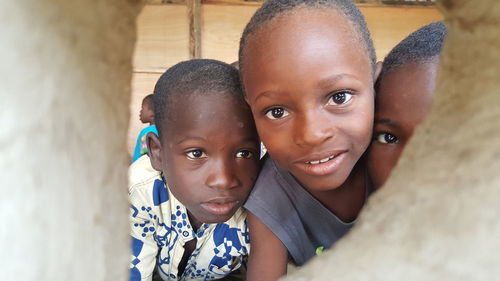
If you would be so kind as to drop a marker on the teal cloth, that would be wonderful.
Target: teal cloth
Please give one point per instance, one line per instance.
(140, 145)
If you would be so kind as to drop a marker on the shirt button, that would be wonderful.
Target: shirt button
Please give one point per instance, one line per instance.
(185, 233)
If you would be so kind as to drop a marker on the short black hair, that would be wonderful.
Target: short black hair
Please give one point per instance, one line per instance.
(421, 46)
(193, 77)
(273, 8)
(149, 101)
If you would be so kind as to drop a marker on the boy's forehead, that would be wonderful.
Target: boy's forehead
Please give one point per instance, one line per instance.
(406, 92)
(214, 120)
(299, 30)
(299, 36)
(304, 53)
(198, 108)
(195, 97)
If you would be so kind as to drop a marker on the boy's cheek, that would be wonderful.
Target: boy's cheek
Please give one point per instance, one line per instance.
(250, 172)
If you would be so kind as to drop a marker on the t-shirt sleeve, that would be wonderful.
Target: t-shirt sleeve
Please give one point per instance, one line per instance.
(140, 144)
(137, 150)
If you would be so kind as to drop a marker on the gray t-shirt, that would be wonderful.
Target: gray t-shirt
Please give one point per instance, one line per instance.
(300, 221)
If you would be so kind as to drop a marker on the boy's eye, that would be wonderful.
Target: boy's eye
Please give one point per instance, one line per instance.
(244, 154)
(196, 154)
(276, 113)
(340, 98)
(386, 138)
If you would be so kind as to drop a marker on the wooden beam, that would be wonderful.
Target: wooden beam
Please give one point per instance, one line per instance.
(234, 2)
(358, 2)
(194, 14)
(149, 70)
(259, 2)
(162, 2)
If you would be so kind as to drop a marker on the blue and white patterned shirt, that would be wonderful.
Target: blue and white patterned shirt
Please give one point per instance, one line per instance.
(160, 228)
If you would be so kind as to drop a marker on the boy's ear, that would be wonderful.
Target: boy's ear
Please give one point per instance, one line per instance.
(378, 69)
(154, 151)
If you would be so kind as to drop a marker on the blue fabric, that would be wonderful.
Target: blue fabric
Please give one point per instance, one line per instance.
(160, 193)
(137, 150)
(135, 274)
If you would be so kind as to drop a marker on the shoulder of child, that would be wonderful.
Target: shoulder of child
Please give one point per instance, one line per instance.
(141, 174)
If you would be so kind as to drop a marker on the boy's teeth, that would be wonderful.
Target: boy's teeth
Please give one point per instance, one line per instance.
(324, 160)
(321, 161)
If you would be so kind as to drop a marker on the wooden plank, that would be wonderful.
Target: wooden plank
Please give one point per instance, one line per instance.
(162, 2)
(409, 2)
(222, 28)
(257, 3)
(389, 25)
(358, 2)
(223, 25)
(162, 36)
(150, 70)
(194, 16)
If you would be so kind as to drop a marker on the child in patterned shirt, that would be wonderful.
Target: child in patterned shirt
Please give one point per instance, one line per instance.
(186, 218)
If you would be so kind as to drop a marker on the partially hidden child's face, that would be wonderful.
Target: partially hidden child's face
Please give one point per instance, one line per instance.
(211, 154)
(310, 86)
(146, 115)
(403, 100)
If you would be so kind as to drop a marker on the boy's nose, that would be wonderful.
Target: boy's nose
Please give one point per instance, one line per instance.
(312, 129)
(222, 175)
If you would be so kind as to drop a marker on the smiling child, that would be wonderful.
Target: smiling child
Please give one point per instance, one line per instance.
(405, 90)
(186, 218)
(308, 69)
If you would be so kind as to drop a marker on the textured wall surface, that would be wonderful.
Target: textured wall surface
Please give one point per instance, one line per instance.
(65, 76)
(438, 218)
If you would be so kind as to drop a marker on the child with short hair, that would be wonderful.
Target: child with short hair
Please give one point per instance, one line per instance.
(405, 89)
(186, 218)
(146, 115)
(308, 68)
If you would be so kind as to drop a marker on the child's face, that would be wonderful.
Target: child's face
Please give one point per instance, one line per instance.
(310, 87)
(209, 156)
(146, 114)
(404, 97)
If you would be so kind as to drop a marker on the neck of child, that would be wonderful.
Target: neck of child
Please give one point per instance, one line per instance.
(346, 200)
(195, 224)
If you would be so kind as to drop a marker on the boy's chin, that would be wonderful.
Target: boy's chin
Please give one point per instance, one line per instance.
(324, 183)
(217, 219)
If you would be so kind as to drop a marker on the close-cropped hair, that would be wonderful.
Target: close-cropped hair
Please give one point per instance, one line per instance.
(193, 77)
(149, 101)
(273, 8)
(421, 46)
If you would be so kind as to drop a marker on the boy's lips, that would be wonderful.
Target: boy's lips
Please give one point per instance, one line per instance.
(220, 206)
(321, 164)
